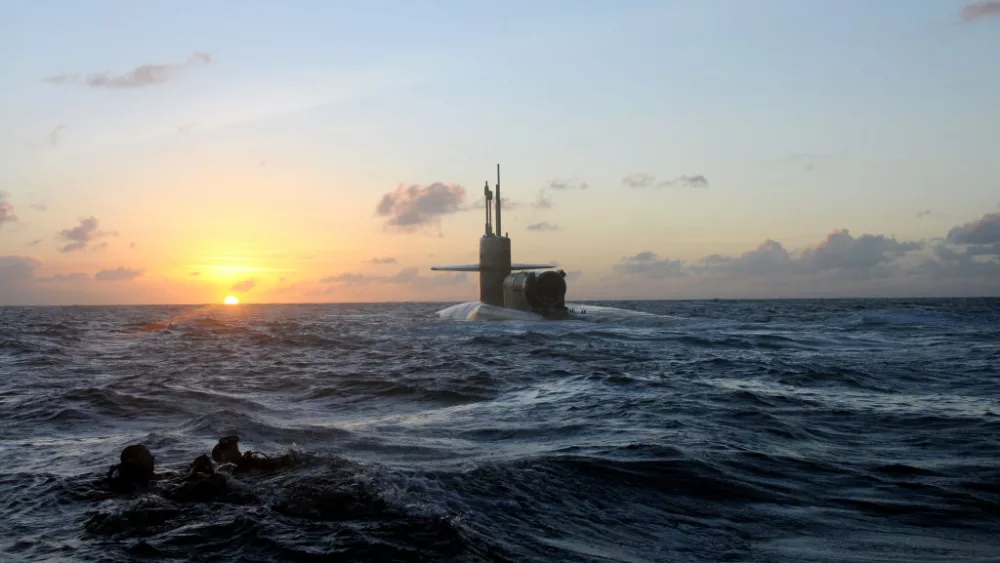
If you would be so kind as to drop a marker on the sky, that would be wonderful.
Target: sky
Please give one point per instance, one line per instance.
(181, 152)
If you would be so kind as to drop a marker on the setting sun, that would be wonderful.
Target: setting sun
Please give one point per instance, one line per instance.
(231, 301)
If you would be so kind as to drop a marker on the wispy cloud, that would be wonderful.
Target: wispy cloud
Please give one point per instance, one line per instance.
(572, 184)
(6, 210)
(35, 242)
(243, 286)
(924, 213)
(642, 180)
(83, 234)
(980, 10)
(187, 127)
(195, 274)
(407, 276)
(118, 274)
(55, 135)
(387, 260)
(638, 180)
(696, 181)
(139, 77)
(65, 278)
(648, 264)
(412, 206)
(39, 207)
(542, 201)
(543, 226)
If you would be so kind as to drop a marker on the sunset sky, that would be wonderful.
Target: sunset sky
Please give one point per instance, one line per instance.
(180, 152)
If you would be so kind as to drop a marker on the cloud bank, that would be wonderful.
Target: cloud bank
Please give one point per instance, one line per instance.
(970, 251)
(139, 77)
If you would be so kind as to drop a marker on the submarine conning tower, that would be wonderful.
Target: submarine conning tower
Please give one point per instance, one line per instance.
(527, 291)
(494, 266)
(494, 252)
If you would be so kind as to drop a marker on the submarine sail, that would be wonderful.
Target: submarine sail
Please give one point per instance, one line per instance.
(542, 293)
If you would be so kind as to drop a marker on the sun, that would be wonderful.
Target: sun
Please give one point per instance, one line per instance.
(231, 300)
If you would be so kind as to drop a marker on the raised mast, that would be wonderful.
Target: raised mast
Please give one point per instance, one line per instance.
(499, 203)
(489, 211)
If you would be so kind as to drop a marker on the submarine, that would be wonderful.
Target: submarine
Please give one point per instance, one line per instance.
(510, 285)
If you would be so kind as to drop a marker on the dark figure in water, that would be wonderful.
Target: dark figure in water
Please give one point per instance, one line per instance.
(228, 451)
(203, 481)
(136, 468)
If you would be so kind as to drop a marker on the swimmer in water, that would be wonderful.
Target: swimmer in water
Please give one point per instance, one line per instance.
(136, 468)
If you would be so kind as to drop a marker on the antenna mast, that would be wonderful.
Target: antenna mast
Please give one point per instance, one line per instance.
(499, 230)
(489, 215)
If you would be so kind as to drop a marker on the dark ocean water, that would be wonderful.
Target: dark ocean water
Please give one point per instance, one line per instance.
(850, 430)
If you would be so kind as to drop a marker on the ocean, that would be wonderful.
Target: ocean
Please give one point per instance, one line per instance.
(799, 430)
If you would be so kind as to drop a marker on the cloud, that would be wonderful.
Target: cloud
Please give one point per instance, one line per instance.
(840, 254)
(6, 210)
(648, 264)
(949, 262)
(132, 245)
(348, 278)
(383, 260)
(568, 185)
(412, 206)
(696, 181)
(543, 226)
(642, 180)
(924, 213)
(862, 255)
(39, 207)
(139, 77)
(118, 274)
(55, 135)
(14, 269)
(980, 10)
(243, 286)
(187, 127)
(542, 201)
(407, 276)
(984, 231)
(35, 242)
(639, 180)
(65, 278)
(83, 234)
(195, 274)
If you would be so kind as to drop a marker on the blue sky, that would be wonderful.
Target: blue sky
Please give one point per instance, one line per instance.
(279, 126)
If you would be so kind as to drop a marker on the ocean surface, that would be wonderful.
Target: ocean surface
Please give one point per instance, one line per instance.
(826, 430)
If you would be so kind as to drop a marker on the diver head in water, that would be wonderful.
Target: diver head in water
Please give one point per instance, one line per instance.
(227, 450)
(136, 467)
